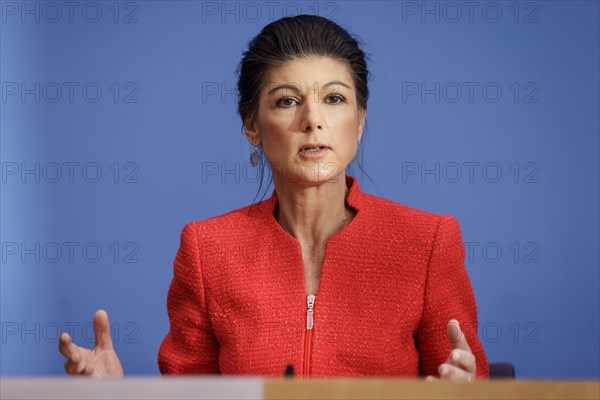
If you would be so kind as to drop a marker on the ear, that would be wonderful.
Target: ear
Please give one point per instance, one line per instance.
(362, 116)
(251, 132)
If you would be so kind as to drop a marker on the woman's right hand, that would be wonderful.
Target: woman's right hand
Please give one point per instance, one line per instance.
(101, 362)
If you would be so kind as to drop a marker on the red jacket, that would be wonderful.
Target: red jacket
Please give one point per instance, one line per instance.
(391, 280)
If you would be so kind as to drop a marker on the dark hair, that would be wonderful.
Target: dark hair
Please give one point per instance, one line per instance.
(290, 38)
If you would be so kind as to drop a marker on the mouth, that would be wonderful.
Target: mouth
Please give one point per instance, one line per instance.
(314, 147)
(314, 151)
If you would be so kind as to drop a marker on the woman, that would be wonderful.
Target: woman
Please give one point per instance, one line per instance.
(320, 276)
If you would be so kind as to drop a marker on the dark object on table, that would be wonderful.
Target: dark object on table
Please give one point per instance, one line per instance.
(502, 370)
(289, 371)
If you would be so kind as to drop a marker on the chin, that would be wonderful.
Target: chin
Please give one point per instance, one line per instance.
(311, 172)
(322, 171)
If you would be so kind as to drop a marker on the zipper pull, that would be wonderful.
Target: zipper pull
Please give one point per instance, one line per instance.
(310, 301)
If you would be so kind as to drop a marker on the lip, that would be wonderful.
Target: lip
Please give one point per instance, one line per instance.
(314, 145)
(311, 155)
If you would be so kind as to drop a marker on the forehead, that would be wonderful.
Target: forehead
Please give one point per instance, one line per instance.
(310, 70)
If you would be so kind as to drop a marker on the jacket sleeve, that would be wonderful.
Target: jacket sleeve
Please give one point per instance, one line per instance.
(190, 347)
(448, 295)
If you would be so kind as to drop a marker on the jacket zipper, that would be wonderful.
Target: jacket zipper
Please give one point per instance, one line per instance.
(310, 301)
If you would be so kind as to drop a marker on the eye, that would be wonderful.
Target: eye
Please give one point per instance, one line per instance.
(284, 102)
(338, 99)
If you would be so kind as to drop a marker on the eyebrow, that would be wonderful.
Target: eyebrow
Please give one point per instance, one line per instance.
(295, 88)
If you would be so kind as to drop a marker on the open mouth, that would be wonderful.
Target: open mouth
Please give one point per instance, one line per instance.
(313, 149)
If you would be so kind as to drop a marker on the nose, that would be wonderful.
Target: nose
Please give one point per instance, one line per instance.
(312, 119)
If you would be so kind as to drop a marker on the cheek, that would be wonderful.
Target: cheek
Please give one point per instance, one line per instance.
(277, 142)
(271, 132)
(348, 138)
(348, 129)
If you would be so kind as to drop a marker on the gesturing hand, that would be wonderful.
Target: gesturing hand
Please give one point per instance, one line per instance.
(101, 362)
(460, 365)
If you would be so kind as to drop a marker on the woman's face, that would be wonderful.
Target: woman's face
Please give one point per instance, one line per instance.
(309, 102)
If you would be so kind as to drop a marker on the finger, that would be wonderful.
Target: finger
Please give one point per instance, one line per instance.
(462, 359)
(430, 378)
(75, 364)
(88, 371)
(68, 366)
(64, 344)
(102, 330)
(456, 336)
(85, 371)
(453, 373)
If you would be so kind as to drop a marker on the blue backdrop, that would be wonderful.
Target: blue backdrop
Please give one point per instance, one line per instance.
(118, 126)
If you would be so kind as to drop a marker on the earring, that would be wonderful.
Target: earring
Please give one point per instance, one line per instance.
(254, 157)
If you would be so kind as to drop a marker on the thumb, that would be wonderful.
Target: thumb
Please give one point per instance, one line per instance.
(102, 330)
(456, 336)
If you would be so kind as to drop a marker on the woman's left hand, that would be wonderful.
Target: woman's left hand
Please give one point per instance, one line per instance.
(460, 365)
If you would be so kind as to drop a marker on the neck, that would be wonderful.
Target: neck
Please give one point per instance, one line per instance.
(313, 213)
